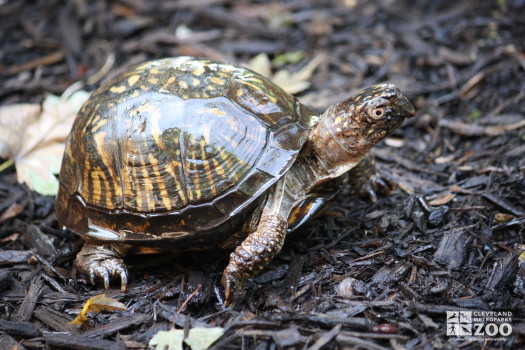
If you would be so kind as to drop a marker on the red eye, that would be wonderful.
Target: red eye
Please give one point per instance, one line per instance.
(378, 113)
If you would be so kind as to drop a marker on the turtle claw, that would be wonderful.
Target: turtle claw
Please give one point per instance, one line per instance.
(104, 263)
(375, 185)
(227, 284)
(108, 269)
(233, 287)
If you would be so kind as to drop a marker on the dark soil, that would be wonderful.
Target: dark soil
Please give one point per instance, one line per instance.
(364, 275)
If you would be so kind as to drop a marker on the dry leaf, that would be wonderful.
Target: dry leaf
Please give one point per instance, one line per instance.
(34, 137)
(406, 188)
(394, 142)
(443, 199)
(13, 120)
(291, 82)
(98, 303)
(198, 338)
(260, 64)
(502, 217)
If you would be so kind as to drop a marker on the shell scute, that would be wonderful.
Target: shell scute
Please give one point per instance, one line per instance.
(177, 147)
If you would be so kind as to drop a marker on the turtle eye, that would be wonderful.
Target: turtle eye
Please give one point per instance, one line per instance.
(378, 113)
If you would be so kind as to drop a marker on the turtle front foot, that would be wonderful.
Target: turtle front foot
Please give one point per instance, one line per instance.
(103, 262)
(254, 254)
(377, 184)
(367, 181)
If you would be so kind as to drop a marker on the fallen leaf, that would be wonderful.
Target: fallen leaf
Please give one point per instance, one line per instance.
(443, 199)
(502, 217)
(406, 188)
(444, 159)
(13, 120)
(291, 82)
(202, 338)
(198, 338)
(394, 142)
(98, 303)
(33, 136)
(260, 64)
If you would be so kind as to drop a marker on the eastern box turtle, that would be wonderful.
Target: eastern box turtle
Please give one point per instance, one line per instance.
(185, 153)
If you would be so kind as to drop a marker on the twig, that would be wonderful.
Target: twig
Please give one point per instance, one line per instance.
(186, 302)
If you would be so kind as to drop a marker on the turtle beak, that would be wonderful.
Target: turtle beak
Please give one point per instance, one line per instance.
(406, 109)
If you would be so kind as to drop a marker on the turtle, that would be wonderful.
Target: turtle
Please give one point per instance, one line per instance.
(187, 154)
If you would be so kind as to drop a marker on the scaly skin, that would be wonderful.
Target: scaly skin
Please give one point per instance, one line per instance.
(103, 261)
(367, 181)
(255, 253)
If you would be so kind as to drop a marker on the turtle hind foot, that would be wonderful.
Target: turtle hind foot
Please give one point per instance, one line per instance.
(105, 262)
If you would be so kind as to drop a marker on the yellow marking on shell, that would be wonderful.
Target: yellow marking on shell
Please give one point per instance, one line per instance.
(98, 177)
(170, 81)
(195, 179)
(198, 71)
(217, 81)
(147, 185)
(218, 168)
(272, 98)
(117, 89)
(128, 176)
(183, 84)
(218, 112)
(153, 80)
(93, 119)
(85, 180)
(113, 183)
(195, 82)
(227, 159)
(135, 93)
(171, 169)
(132, 80)
(147, 107)
(99, 125)
(154, 71)
(207, 168)
(163, 192)
(338, 120)
(253, 86)
(239, 92)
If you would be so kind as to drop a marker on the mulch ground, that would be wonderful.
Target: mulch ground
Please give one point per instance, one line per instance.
(364, 275)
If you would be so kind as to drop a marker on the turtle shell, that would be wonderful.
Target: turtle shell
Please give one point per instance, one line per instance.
(177, 149)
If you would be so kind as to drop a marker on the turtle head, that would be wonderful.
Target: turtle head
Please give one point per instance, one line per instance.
(348, 130)
(369, 116)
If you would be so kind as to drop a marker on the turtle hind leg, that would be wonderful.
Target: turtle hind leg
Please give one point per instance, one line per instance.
(104, 261)
(254, 254)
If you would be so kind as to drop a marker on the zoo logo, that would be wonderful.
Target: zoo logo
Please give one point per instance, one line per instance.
(462, 323)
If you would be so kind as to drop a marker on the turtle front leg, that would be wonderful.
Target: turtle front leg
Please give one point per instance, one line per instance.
(254, 254)
(261, 246)
(103, 261)
(367, 181)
